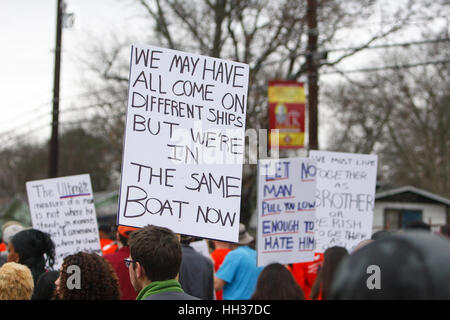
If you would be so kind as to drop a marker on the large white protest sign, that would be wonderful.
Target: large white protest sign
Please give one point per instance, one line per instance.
(286, 210)
(64, 208)
(184, 143)
(345, 198)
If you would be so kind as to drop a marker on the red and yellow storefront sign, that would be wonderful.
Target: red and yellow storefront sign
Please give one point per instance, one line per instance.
(287, 114)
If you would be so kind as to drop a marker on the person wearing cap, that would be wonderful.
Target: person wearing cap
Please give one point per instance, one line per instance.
(238, 274)
(127, 291)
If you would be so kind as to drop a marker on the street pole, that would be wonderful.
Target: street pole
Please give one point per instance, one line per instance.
(313, 75)
(54, 148)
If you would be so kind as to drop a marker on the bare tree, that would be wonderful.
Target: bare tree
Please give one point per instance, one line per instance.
(403, 115)
(268, 35)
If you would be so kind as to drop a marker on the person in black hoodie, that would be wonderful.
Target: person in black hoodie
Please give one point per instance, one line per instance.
(32, 248)
(411, 265)
(196, 271)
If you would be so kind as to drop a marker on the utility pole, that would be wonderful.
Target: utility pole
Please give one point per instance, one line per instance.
(54, 148)
(313, 74)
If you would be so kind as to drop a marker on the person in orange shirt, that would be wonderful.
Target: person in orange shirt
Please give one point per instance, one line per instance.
(107, 245)
(116, 259)
(331, 260)
(221, 249)
(305, 273)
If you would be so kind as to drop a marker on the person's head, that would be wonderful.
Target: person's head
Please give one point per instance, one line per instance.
(380, 234)
(363, 243)
(123, 234)
(9, 229)
(418, 225)
(155, 253)
(32, 248)
(275, 282)
(332, 257)
(445, 231)
(45, 288)
(185, 239)
(245, 238)
(222, 244)
(105, 230)
(87, 276)
(408, 265)
(16, 282)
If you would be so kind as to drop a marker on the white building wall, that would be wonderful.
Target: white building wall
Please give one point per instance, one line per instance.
(433, 214)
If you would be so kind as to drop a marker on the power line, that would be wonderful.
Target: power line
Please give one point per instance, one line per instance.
(13, 139)
(47, 113)
(20, 137)
(25, 124)
(361, 48)
(381, 46)
(401, 66)
(26, 112)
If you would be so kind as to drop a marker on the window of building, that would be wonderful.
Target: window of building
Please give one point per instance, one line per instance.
(395, 219)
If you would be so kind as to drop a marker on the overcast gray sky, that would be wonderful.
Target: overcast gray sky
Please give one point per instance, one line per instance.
(27, 33)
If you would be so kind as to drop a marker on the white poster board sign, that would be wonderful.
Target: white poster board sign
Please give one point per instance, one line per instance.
(345, 198)
(286, 210)
(64, 208)
(184, 143)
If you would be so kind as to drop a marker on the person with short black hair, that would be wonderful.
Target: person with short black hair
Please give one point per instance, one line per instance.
(154, 264)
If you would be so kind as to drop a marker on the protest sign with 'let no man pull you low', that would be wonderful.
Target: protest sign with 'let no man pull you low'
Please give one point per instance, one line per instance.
(184, 143)
(286, 210)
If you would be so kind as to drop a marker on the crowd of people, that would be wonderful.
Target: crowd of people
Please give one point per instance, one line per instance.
(154, 263)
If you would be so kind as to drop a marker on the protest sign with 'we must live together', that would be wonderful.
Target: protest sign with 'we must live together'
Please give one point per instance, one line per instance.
(184, 143)
(345, 198)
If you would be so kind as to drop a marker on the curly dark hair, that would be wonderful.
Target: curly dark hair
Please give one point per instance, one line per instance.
(99, 281)
(158, 251)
